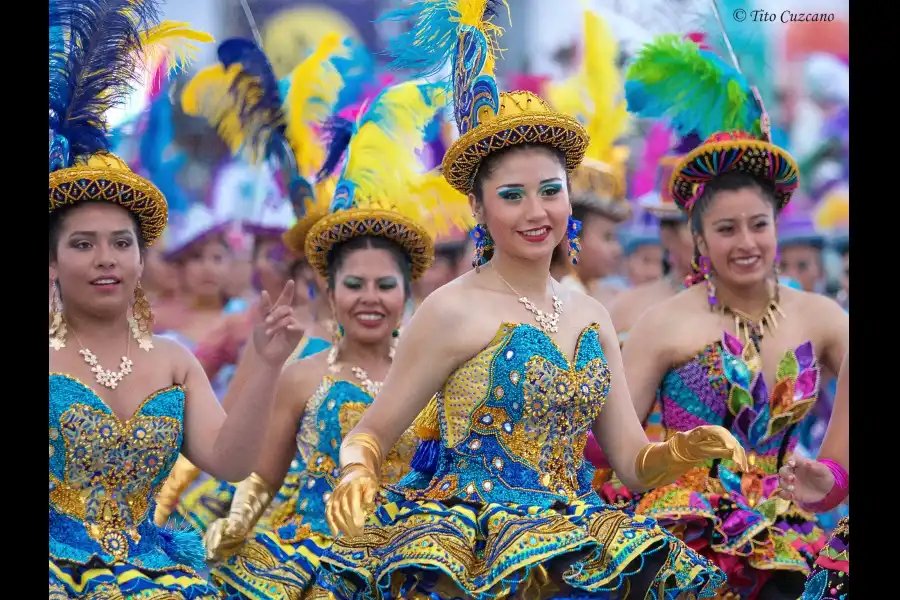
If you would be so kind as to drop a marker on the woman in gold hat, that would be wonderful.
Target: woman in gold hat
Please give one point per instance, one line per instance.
(369, 249)
(736, 349)
(227, 95)
(114, 440)
(506, 508)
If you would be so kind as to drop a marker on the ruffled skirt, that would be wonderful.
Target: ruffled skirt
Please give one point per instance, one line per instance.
(736, 521)
(413, 549)
(830, 578)
(99, 581)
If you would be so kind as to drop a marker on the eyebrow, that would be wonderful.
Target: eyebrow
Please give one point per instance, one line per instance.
(730, 219)
(94, 233)
(519, 185)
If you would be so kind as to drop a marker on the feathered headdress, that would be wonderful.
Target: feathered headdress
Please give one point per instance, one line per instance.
(594, 95)
(376, 191)
(99, 50)
(463, 32)
(280, 122)
(698, 93)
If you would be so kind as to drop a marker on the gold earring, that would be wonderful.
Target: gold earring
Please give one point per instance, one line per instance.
(57, 322)
(142, 320)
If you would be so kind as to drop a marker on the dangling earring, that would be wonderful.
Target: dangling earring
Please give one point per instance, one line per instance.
(142, 320)
(57, 322)
(395, 337)
(573, 229)
(484, 244)
(704, 268)
(337, 332)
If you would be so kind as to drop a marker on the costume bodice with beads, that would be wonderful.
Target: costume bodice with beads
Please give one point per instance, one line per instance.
(514, 421)
(724, 385)
(105, 473)
(332, 412)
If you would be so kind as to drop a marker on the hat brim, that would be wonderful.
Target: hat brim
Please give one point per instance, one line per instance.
(549, 129)
(124, 188)
(664, 211)
(345, 225)
(295, 237)
(755, 157)
(806, 239)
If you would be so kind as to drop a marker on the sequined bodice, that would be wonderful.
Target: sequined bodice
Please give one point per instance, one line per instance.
(514, 421)
(724, 385)
(335, 409)
(104, 473)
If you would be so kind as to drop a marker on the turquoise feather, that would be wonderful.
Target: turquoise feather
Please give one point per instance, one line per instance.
(695, 90)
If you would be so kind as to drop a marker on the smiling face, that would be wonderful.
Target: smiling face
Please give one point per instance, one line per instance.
(368, 294)
(523, 200)
(96, 257)
(737, 233)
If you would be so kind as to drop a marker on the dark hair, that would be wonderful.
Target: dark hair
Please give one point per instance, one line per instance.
(339, 252)
(58, 217)
(730, 182)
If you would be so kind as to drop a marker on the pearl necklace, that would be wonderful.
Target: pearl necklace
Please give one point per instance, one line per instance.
(106, 378)
(372, 387)
(549, 322)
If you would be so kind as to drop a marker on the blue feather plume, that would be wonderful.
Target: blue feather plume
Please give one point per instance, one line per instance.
(156, 143)
(356, 67)
(94, 69)
(259, 100)
(430, 43)
(338, 132)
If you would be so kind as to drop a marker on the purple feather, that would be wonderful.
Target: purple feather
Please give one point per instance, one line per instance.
(338, 132)
(96, 69)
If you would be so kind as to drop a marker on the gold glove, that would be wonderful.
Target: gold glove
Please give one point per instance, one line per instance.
(225, 536)
(354, 496)
(183, 474)
(663, 463)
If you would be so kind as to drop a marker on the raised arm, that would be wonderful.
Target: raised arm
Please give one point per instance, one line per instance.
(226, 447)
(253, 495)
(829, 315)
(639, 464)
(836, 445)
(431, 347)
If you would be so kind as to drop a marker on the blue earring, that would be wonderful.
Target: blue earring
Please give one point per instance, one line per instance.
(572, 231)
(484, 244)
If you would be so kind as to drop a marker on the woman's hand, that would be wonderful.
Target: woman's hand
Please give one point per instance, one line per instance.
(804, 481)
(276, 330)
(713, 441)
(351, 501)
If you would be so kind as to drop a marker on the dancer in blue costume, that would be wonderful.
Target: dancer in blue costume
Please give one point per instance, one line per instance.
(114, 440)
(821, 485)
(761, 376)
(509, 509)
(274, 127)
(369, 249)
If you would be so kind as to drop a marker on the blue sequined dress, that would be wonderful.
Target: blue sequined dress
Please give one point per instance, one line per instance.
(104, 476)
(510, 508)
(210, 499)
(280, 561)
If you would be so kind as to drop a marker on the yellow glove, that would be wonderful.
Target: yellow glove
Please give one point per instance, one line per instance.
(183, 474)
(354, 496)
(225, 536)
(663, 463)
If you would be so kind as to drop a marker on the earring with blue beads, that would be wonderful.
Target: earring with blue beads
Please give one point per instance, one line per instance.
(572, 230)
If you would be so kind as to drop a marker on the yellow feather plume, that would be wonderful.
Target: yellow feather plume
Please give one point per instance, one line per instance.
(207, 95)
(601, 79)
(446, 209)
(471, 12)
(314, 90)
(382, 162)
(172, 41)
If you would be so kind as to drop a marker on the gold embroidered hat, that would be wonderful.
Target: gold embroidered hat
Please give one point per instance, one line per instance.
(462, 32)
(100, 51)
(382, 191)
